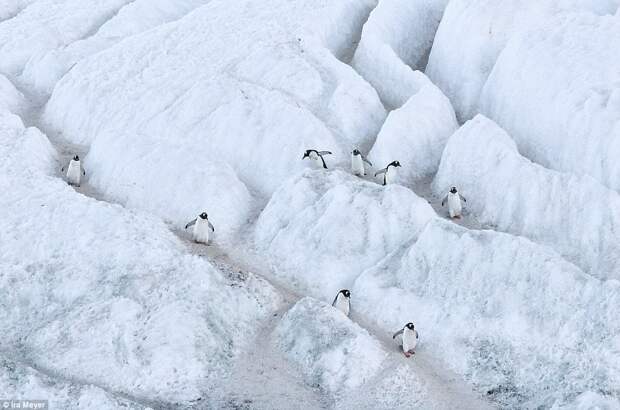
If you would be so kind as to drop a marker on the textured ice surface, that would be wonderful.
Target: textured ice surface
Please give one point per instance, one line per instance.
(576, 216)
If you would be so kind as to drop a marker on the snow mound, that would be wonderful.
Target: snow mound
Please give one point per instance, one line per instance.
(18, 381)
(333, 353)
(562, 111)
(49, 24)
(44, 70)
(110, 296)
(10, 8)
(322, 229)
(163, 92)
(574, 215)
(10, 98)
(473, 33)
(395, 41)
(512, 317)
(416, 134)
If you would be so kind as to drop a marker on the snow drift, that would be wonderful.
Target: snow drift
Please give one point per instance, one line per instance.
(395, 41)
(332, 352)
(519, 321)
(473, 33)
(110, 296)
(163, 94)
(416, 134)
(322, 229)
(44, 69)
(556, 90)
(574, 215)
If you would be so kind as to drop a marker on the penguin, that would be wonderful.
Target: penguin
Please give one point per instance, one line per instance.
(357, 163)
(201, 228)
(316, 155)
(408, 339)
(454, 203)
(74, 171)
(342, 301)
(389, 174)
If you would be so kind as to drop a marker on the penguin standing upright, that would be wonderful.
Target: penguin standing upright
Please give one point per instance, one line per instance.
(342, 301)
(357, 163)
(389, 172)
(407, 339)
(454, 203)
(202, 228)
(316, 155)
(74, 171)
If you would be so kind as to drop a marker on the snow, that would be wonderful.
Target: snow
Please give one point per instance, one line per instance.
(574, 215)
(473, 33)
(333, 352)
(149, 111)
(322, 229)
(10, 8)
(565, 111)
(511, 316)
(109, 295)
(10, 98)
(47, 25)
(44, 70)
(20, 381)
(395, 41)
(416, 134)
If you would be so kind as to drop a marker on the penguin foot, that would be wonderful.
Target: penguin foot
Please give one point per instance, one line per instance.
(456, 217)
(407, 354)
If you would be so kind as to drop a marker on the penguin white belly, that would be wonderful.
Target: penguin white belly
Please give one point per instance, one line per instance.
(201, 231)
(357, 165)
(390, 175)
(342, 304)
(409, 340)
(454, 205)
(74, 172)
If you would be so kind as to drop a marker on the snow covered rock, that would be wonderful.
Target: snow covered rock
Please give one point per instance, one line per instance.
(473, 33)
(514, 318)
(163, 94)
(109, 296)
(49, 24)
(395, 41)
(416, 134)
(322, 229)
(556, 90)
(44, 70)
(574, 215)
(332, 352)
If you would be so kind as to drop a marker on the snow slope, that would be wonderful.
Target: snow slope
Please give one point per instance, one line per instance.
(107, 295)
(514, 318)
(562, 105)
(322, 229)
(576, 216)
(473, 33)
(395, 41)
(44, 70)
(415, 134)
(243, 118)
(10, 98)
(49, 24)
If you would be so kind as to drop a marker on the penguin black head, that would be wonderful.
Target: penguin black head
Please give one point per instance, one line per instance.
(203, 215)
(346, 293)
(76, 158)
(395, 164)
(453, 190)
(356, 152)
(410, 326)
(306, 154)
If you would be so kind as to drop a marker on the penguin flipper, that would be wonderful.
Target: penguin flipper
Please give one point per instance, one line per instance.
(463, 198)
(190, 223)
(381, 171)
(366, 160)
(211, 227)
(322, 160)
(443, 201)
(335, 299)
(400, 332)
